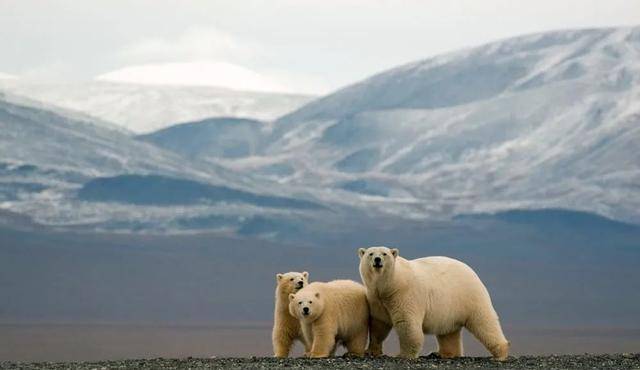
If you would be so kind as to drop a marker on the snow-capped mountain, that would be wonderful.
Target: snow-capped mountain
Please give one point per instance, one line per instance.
(540, 121)
(146, 108)
(546, 120)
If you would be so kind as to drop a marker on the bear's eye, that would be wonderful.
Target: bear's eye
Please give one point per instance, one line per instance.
(384, 254)
(310, 302)
(300, 302)
(371, 254)
(291, 279)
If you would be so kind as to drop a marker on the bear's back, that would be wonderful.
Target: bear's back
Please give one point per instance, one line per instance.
(439, 265)
(452, 280)
(341, 295)
(345, 284)
(339, 289)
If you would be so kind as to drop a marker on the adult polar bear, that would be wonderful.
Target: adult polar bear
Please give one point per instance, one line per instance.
(433, 295)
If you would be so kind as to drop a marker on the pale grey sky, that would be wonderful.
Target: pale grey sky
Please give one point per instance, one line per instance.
(295, 45)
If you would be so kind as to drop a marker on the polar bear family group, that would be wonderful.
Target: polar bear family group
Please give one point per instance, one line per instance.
(432, 295)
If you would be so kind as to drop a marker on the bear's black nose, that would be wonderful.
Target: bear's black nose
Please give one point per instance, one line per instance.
(305, 310)
(377, 260)
(300, 284)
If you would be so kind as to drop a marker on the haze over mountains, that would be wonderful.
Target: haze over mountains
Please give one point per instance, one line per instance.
(4, 76)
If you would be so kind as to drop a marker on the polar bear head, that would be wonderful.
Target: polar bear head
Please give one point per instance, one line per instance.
(291, 282)
(377, 260)
(307, 305)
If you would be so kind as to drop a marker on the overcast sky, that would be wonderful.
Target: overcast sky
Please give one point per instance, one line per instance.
(294, 45)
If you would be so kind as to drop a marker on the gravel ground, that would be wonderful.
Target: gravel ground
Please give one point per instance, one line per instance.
(617, 361)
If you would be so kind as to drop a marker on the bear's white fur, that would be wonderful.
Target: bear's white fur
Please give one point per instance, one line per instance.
(332, 313)
(286, 328)
(433, 295)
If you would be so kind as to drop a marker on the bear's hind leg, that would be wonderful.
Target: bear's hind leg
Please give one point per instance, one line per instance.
(356, 345)
(450, 345)
(486, 328)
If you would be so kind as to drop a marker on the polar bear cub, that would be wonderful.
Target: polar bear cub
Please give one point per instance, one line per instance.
(433, 295)
(286, 328)
(330, 313)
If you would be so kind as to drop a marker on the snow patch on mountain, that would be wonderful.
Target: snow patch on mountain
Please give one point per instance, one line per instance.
(146, 108)
(219, 74)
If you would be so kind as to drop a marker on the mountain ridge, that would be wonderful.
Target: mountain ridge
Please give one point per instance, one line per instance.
(535, 40)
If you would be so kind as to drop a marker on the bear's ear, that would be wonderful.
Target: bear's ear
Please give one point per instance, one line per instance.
(278, 276)
(317, 295)
(361, 252)
(305, 274)
(292, 297)
(395, 252)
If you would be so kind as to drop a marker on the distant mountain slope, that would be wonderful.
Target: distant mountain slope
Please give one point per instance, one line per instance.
(167, 191)
(546, 120)
(550, 220)
(145, 108)
(47, 139)
(18, 100)
(214, 137)
(484, 72)
(47, 159)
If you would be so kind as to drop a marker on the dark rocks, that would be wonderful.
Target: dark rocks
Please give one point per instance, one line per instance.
(614, 361)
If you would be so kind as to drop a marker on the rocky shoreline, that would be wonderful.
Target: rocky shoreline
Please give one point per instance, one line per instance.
(608, 361)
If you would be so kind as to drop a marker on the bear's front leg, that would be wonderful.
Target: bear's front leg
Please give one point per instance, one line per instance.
(324, 342)
(410, 336)
(379, 331)
(307, 338)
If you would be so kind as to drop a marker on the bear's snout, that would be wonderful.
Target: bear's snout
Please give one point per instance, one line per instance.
(305, 311)
(377, 262)
(300, 284)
